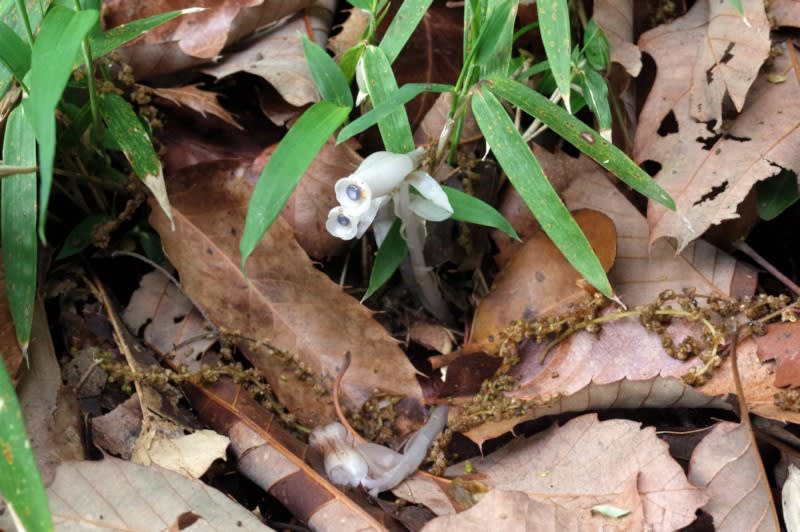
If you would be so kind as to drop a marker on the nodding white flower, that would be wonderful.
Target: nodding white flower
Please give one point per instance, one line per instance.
(381, 177)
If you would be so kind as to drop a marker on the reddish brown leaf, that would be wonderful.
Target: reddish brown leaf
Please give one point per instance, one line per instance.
(203, 102)
(785, 13)
(282, 301)
(191, 39)
(782, 344)
(616, 19)
(539, 279)
(9, 347)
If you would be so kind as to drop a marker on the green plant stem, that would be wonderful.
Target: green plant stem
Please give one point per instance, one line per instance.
(90, 81)
(23, 14)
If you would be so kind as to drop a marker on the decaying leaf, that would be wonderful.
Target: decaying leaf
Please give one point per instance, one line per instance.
(281, 302)
(708, 169)
(277, 57)
(616, 19)
(538, 279)
(782, 344)
(119, 495)
(198, 100)
(572, 468)
(191, 39)
(352, 31)
(9, 347)
(726, 464)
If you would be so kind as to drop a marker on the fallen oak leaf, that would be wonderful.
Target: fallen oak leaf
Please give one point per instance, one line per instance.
(282, 300)
(781, 343)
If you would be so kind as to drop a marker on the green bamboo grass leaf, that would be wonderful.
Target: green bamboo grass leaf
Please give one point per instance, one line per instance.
(595, 92)
(350, 59)
(526, 175)
(492, 49)
(737, 5)
(554, 27)
(389, 257)
(596, 48)
(10, 17)
(285, 167)
(331, 83)
(107, 41)
(402, 96)
(54, 52)
(126, 131)
(380, 85)
(18, 224)
(581, 136)
(14, 52)
(776, 194)
(81, 236)
(470, 209)
(403, 25)
(20, 482)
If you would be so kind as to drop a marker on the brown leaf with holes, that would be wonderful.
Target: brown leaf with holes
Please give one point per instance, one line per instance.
(538, 279)
(198, 100)
(194, 38)
(351, 32)
(564, 471)
(281, 301)
(727, 465)
(782, 344)
(708, 171)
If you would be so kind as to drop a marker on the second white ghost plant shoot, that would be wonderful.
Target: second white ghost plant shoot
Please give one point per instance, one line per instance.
(387, 186)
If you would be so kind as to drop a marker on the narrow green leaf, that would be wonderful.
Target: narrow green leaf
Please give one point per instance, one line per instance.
(582, 137)
(53, 55)
(402, 96)
(14, 52)
(596, 48)
(112, 39)
(349, 60)
(10, 17)
(18, 224)
(403, 25)
(389, 257)
(470, 209)
(737, 5)
(81, 236)
(329, 79)
(20, 482)
(776, 194)
(125, 129)
(595, 92)
(361, 4)
(285, 167)
(526, 175)
(380, 84)
(493, 47)
(554, 27)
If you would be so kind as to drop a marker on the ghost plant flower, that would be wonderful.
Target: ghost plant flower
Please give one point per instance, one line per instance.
(392, 183)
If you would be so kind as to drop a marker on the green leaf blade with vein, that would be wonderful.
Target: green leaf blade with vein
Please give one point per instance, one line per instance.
(526, 175)
(492, 48)
(285, 167)
(470, 209)
(53, 55)
(402, 96)
(9, 16)
(554, 27)
(380, 84)
(581, 136)
(403, 25)
(389, 257)
(15, 53)
(18, 225)
(107, 41)
(328, 77)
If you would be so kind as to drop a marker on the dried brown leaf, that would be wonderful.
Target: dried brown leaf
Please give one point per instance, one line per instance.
(191, 39)
(726, 464)
(203, 102)
(708, 171)
(116, 495)
(616, 19)
(785, 13)
(782, 344)
(278, 58)
(282, 300)
(9, 347)
(569, 469)
(352, 31)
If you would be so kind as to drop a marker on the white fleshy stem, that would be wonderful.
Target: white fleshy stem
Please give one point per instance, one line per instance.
(413, 231)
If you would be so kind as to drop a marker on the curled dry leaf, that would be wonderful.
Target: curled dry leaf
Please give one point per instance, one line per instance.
(567, 470)
(278, 58)
(708, 171)
(538, 279)
(352, 31)
(726, 464)
(198, 100)
(191, 39)
(281, 301)
(616, 19)
(119, 495)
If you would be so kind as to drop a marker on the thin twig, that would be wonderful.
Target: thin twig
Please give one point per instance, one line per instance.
(337, 405)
